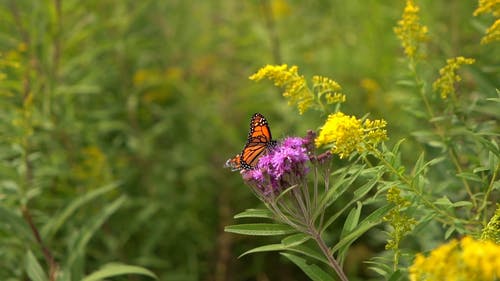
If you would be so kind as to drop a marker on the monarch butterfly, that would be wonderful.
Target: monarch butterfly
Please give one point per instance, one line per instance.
(259, 141)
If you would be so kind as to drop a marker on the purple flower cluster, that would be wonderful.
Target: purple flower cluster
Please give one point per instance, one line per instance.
(282, 167)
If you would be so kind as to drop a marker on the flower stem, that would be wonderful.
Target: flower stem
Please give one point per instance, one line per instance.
(49, 258)
(326, 251)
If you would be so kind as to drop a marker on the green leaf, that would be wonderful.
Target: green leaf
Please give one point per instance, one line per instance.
(369, 222)
(16, 222)
(311, 270)
(462, 204)
(295, 239)
(396, 276)
(358, 194)
(407, 83)
(115, 269)
(255, 213)
(261, 229)
(431, 162)
(33, 268)
(449, 232)
(443, 201)
(58, 220)
(265, 248)
(352, 219)
(88, 231)
(341, 185)
(301, 249)
(470, 176)
(350, 223)
(480, 169)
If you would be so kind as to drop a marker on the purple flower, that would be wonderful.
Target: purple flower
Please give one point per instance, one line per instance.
(282, 167)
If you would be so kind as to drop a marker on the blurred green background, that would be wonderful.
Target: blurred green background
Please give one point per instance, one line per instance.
(154, 96)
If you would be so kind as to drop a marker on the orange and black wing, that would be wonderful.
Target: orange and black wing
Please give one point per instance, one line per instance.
(259, 141)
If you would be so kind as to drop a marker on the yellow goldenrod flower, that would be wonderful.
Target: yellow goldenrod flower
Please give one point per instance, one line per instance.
(448, 76)
(329, 88)
(468, 259)
(345, 134)
(280, 8)
(493, 7)
(492, 33)
(288, 78)
(410, 31)
(492, 230)
(488, 6)
(401, 223)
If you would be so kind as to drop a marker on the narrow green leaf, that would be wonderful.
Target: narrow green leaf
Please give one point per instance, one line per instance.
(369, 222)
(396, 276)
(407, 83)
(311, 270)
(339, 187)
(301, 249)
(33, 268)
(265, 248)
(358, 194)
(88, 231)
(449, 232)
(443, 201)
(352, 219)
(261, 229)
(480, 169)
(428, 164)
(284, 192)
(295, 239)
(255, 213)
(115, 269)
(462, 204)
(16, 222)
(59, 219)
(419, 164)
(470, 176)
(365, 188)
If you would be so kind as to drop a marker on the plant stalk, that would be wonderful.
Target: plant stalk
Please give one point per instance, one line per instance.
(326, 251)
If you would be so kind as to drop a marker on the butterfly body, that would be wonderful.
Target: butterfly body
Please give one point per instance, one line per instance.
(259, 142)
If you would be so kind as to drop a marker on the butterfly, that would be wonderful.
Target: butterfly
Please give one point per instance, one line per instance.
(259, 142)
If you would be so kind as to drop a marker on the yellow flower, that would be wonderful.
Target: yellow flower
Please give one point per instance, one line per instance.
(329, 88)
(490, 6)
(295, 87)
(448, 76)
(345, 134)
(492, 33)
(410, 31)
(468, 259)
(492, 230)
(280, 8)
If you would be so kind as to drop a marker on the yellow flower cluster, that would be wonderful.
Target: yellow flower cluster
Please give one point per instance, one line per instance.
(490, 6)
(448, 76)
(410, 31)
(400, 222)
(492, 230)
(288, 78)
(466, 260)
(345, 134)
(329, 88)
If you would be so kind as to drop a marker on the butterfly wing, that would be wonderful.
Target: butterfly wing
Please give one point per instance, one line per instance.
(259, 142)
(234, 163)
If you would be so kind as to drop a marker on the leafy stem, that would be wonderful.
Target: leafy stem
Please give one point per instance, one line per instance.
(326, 251)
(441, 132)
